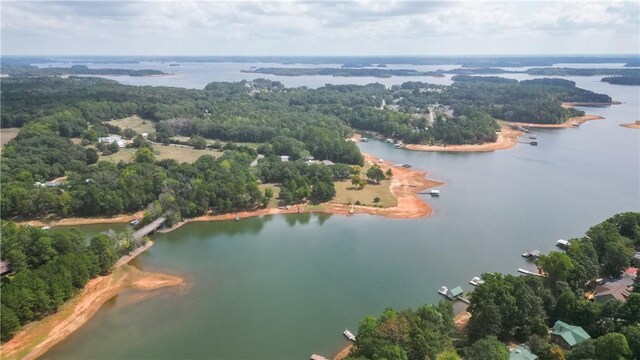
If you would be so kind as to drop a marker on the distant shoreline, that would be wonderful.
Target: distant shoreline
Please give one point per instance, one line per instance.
(633, 125)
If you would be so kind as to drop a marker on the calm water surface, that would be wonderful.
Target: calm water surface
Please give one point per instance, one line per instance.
(287, 286)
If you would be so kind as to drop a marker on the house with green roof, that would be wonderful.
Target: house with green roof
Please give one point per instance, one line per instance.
(567, 335)
(521, 352)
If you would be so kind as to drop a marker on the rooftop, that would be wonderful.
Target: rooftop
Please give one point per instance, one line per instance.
(572, 334)
(521, 352)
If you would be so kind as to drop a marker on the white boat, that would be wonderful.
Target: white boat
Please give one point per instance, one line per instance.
(349, 335)
(364, 140)
(398, 146)
(526, 255)
(46, 227)
(533, 137)
(443, 291)
(562, 243)
(476, 281)
(390, 141)
(135, 222)
(434, 192)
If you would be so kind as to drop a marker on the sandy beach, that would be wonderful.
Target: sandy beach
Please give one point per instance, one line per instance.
(633, 125)
(507, 138)
(38, 337)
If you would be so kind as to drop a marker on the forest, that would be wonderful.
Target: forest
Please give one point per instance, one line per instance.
(49, 267)
(298, 122)
(509, 309)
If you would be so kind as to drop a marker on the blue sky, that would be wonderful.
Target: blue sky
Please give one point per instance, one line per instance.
(319, 27)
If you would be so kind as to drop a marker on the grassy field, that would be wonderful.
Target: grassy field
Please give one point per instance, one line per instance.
(6, 135)
(136, 123)
(347, 194)
(209, 141)
(276, 192)
(180, 154)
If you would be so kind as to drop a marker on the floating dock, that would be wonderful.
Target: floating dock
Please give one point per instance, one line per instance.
(527, 272)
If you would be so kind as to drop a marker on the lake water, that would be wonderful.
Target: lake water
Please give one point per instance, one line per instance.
(287, 286)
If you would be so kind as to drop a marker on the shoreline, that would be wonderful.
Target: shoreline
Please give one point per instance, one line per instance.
(568, 104)
(507, 138)
(633, 125)
(36, 338)
(405, 186)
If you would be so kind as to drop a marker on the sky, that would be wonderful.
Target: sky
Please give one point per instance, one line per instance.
(309, 28)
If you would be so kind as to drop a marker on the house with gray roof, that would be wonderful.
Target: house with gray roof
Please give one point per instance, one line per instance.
(521, 352)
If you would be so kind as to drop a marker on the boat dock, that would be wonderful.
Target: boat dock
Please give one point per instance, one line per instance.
(527, 272)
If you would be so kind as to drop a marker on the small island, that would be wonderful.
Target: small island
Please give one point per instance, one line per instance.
(622, 80)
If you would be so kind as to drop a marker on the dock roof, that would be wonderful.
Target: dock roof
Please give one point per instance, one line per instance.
(455, 292)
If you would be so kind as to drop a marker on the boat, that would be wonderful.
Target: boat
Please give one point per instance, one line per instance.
(46, 227)
(406, 166)
(534, 143)
(349, 335)
(564, 244)
(135, 222)
(389, 141)
(476, 281)
(443, 291)
(237, 216)
(351, 210)
(526, 255)
(434, 192)
(380, 161)
(533, 137)
(364, 140)
(398, 146)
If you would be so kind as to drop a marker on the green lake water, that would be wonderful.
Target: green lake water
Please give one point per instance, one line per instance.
(284, 287)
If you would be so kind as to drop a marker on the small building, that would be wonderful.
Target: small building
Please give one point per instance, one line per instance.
(112, 139)
(522, 352)
(568, 336)
(5, 267)
(636, 259)
(455, 293)
(284, 158)
(327, 162)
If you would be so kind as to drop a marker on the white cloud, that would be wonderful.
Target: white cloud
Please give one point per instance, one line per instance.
(318, 27)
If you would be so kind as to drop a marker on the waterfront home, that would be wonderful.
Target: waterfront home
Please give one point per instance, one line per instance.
(521, 352)
(284, 158)
(568, 336)
(618, 290)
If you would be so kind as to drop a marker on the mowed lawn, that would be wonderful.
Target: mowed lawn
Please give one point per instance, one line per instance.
(136, 123)
(6, 135)
(178, 153)
(346, 193)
